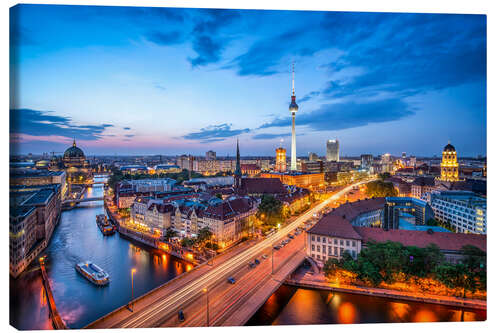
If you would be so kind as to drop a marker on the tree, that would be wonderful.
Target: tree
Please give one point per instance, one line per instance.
(204, 235)
(330, 266)
(432, 222)
(170, 233)
(380, 188)
(270, 210)
(187, 242)
(475, 262)
(219, 195)
(383, 176)
(457, 277)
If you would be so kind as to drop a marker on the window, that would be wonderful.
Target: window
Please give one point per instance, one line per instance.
(335, 253)
(335, 241)
(312, 238)
(347, 243)
(341, 242)
(329, 250)
(324, 239)
(324, 248)
(312, 247)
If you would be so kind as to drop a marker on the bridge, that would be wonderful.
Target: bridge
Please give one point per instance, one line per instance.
(70, 201)
(204, 294)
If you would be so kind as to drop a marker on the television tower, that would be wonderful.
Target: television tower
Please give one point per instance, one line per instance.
(293, 109)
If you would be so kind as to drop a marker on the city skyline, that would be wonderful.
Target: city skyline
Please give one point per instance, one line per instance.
(142, 81)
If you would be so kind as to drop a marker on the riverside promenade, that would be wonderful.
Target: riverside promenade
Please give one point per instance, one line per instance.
(318, 281)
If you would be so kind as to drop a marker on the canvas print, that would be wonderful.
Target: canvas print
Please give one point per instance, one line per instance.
(187, 167)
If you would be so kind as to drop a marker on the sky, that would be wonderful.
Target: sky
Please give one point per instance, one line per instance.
(132, 80)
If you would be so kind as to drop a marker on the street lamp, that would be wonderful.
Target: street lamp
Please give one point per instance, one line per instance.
(132, 271)
(205, 290)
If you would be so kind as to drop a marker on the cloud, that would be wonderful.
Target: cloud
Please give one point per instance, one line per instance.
(263, 56)
(405, 55)
(207, 41)
(208, 50)
(129, 135)
(266, 136)
(126, 128)
(308, 96)
(339, 116)
(165, 38)
(215, 133)
(46, 123)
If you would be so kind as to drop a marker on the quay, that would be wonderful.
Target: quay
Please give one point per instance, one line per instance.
(57, 321)
(320, 283)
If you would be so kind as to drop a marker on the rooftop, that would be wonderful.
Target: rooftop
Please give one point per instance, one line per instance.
(449, 241)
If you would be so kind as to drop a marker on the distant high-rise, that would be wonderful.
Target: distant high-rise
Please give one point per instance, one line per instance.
(293, 109)
(332, 150)
(366, 161)
(386, 158)
(210, 155)
(313, 157)
(280, 165)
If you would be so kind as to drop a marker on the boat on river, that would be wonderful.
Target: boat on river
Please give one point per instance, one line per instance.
(93, 273)
(104, 225)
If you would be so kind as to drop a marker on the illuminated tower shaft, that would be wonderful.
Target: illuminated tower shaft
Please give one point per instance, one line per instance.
(293, 109)
(293, 165)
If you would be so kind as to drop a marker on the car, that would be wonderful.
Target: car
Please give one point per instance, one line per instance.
(231, 280)
(257, 261)
(265, 256)
(251, 264)
(277, 247)
(180, 316)
(291, 236)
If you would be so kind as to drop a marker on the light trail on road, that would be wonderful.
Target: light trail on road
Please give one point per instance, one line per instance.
(156, 311)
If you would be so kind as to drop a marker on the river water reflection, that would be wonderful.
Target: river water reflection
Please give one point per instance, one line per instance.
(77, 238)
(297, 306)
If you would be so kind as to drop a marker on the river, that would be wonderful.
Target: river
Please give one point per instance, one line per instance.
(77, 238)
(298, 306)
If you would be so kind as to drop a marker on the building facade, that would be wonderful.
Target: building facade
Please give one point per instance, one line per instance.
(280, 165)
(332, 150)
(449, 164)
(33, 216)
(464, 211)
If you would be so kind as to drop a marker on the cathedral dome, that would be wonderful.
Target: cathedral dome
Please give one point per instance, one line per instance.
(449, 147)
(73, 152)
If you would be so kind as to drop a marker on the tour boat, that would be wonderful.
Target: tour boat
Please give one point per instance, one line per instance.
(104, 225)
(93, 273)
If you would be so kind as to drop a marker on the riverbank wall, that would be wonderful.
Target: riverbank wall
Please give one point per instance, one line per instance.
(387, 293)
(57, 321)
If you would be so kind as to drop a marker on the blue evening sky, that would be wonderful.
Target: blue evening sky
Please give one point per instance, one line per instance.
(131, 80)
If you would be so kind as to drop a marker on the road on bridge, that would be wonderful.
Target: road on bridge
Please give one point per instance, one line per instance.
(160, 309)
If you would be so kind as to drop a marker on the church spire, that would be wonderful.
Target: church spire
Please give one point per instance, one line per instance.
(74, 142)
(237, 171)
